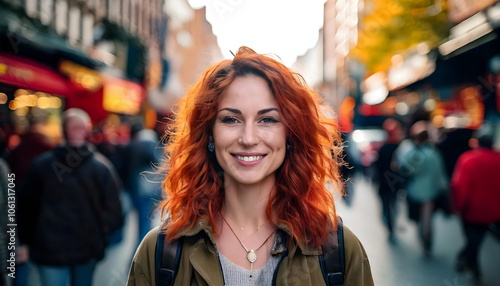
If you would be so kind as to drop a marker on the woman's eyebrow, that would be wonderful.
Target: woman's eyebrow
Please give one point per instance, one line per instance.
(231, 110)
(260, 112)
(263, 111)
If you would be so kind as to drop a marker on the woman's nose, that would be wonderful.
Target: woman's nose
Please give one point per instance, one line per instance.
(249, 135)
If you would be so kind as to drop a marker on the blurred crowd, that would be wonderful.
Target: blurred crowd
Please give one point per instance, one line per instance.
(454, 171)
(73, 194)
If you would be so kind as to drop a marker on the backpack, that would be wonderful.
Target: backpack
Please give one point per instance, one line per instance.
(168, 254)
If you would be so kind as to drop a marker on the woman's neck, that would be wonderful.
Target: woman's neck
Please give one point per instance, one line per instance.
(245, 205)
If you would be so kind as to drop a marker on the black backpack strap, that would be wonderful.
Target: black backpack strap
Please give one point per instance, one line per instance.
(167, 258)
(332, 259)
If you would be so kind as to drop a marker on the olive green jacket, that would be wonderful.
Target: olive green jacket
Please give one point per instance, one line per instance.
(199, 263)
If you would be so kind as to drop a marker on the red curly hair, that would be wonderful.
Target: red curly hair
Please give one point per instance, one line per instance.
(193, 183)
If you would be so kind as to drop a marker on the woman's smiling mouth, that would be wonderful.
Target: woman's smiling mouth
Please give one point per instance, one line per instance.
(248, 158)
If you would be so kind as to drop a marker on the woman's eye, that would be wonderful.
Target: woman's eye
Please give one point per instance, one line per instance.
(269, 120)
(229, 120)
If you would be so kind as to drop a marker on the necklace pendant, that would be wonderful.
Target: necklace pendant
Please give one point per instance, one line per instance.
(251, 256)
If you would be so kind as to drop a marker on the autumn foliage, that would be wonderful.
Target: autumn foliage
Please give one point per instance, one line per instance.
(389, 27)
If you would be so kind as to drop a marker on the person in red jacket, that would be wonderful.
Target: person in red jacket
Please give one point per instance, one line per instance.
(476, 197)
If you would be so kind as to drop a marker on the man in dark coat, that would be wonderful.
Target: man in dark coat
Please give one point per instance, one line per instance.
(68, 206)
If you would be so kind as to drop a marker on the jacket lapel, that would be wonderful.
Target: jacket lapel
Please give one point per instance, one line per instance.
(206, 263)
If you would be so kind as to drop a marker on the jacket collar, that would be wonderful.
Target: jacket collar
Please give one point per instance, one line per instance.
(204, 252)
(74, 156)
(202, 225)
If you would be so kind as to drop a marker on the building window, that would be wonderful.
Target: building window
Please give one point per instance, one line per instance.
(87, 31)
(74, 26)
(133, 16)
(31, 8)
(61, 17)
(47, 12)
(126, 14)
(114, 11)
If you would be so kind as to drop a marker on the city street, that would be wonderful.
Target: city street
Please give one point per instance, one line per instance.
(400, 264)
(94, 94)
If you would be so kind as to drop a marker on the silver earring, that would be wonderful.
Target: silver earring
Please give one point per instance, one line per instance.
(211, 144)
(288, 145)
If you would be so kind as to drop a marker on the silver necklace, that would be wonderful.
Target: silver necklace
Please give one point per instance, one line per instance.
(251, 254)
(258, 228)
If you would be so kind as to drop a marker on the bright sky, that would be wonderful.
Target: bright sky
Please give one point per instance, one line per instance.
(286, 28)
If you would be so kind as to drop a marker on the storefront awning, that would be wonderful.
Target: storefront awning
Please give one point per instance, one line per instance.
(472, 32)
(462, 59)
(27, 74)
(466, 67)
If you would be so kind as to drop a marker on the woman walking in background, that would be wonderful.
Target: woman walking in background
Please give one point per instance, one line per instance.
(426, 179)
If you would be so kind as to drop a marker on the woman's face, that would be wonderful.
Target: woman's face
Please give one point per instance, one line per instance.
(249, 137)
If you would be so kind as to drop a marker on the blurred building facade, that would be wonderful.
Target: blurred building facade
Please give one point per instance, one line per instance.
(131, 57)
(104, 56)
(455, 84)
(191, 48)
(343, 74)
(120, 57)
(339, 37)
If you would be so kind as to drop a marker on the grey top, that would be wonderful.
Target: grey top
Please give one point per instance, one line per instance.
(235, 275)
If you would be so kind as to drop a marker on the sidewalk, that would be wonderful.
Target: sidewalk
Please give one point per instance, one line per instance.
(113, 269)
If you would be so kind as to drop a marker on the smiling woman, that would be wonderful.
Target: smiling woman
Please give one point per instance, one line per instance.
(245, 194)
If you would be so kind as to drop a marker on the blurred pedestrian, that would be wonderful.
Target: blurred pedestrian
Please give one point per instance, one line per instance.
(33, 142)
(142, 156)
(426, 180)
(245, 191)
(110, 139)
(476, 196)
(111, 143)
(386, 174)
(68, 206)
(454, 142)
